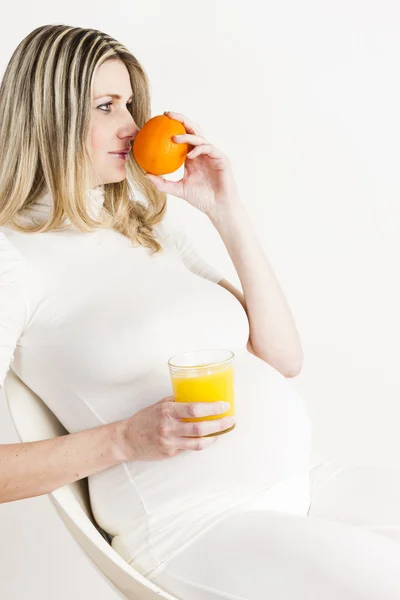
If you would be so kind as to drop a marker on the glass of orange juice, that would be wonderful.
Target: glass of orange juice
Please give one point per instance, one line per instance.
(204, 376)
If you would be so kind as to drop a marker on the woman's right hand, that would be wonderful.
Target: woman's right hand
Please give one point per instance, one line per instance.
(157, 432)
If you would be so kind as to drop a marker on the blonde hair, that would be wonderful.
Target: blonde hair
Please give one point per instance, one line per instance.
(45, 123)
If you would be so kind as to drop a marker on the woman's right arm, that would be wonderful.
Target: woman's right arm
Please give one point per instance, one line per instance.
(34, 468)
(155, 432)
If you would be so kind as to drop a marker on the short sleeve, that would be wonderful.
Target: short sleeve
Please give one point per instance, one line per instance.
(13, 308)
(191, 256)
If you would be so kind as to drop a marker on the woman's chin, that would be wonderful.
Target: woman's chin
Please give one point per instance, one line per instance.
(113, 179)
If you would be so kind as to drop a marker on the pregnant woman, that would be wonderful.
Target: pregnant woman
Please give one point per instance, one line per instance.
(98, 290)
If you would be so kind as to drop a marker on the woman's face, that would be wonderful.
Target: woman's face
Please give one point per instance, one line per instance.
(113, 127)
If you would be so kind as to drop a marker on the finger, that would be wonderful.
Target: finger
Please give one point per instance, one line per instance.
(196, 444)
(190, 126)
(203, 428)
(188, 410)
(207, 149)
(163, 185)
(188, 138)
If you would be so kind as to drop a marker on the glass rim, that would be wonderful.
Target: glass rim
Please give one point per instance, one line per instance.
(206, 366)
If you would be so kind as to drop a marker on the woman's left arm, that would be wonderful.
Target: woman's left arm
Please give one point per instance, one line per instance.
(273, 334)
(208, 184)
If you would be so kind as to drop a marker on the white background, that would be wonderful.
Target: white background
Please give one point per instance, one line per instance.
(304, 97)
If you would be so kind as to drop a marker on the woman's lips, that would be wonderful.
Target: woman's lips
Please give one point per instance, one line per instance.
(120, 155)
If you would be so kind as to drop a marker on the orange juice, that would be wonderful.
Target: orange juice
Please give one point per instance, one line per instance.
(207, 385)
(204, 375)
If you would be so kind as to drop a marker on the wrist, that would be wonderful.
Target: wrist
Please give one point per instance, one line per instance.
(229, 215)
(121, 449)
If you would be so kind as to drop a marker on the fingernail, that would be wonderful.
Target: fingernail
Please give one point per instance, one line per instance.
(225, 406)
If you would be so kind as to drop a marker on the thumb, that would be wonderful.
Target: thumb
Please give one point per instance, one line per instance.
(163, 185)
(155, 179)
(166, 399)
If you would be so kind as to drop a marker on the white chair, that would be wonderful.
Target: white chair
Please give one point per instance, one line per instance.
(34, 421)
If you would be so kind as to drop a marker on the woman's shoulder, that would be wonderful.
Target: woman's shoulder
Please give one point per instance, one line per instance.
(172, 229)
(175, 237)
(9, 252)
(13, 296)
(167, 233)
(13, 271)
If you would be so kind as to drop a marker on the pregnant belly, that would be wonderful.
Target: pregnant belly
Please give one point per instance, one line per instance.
(271, 441)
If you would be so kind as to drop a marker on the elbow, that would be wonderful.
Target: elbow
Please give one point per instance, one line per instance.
(293, 367)
(292, 370)
(288, 366)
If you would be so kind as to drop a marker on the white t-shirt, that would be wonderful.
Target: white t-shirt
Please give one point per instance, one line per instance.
(88, 323)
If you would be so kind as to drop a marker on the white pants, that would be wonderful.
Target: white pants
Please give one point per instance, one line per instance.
(347, 548)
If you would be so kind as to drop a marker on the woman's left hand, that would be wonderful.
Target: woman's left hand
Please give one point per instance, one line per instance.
(208, 183)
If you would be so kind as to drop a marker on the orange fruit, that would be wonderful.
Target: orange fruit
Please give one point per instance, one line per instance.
(153, 147)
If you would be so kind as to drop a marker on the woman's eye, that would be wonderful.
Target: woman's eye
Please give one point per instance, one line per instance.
(108, 104)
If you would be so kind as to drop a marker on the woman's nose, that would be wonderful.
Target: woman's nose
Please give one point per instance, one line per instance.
(130, 130)
(127, 123)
